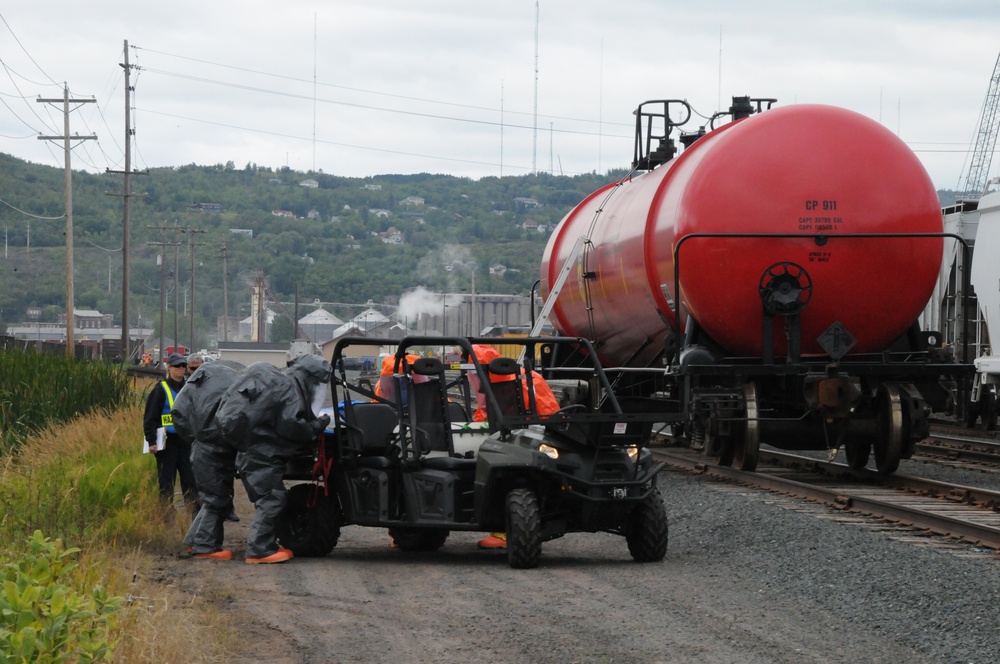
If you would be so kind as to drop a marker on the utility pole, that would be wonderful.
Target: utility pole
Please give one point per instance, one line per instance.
(66, 138)
(177, 269)
(295, 321)
(162, 258)
(225, 293)
(191, 320)
(126, 203)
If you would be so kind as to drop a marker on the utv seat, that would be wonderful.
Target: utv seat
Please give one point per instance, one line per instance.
(370, 429)
(429, 422)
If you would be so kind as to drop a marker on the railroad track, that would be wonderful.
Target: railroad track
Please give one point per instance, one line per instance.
(966, 513)
(957, 447)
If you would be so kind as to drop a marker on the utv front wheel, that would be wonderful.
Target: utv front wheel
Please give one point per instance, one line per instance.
(646, 534)
(310, 532)
(524, 529)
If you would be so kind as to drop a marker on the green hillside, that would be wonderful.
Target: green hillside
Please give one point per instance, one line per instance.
(339, 255)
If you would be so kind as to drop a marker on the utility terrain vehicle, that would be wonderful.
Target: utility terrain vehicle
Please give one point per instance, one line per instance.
(413, 460)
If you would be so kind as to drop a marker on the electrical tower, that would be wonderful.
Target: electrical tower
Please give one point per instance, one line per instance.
(534, 131)
(986, 138)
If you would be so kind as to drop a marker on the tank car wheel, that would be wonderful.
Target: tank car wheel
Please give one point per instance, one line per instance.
(857, 453)
(715, 444)
(746, 450)
(723, 450)
(524, 529)
(985, 410)
(646, 532)
(310, 532)
(990, 411)
(889, 445)
(418, 539)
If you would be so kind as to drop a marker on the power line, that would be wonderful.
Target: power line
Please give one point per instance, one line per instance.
(12, 34)
(424, 100)
(339, 144)
(366, 107)
(28, 214)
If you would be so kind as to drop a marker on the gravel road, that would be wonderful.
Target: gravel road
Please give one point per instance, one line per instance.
(748, 577)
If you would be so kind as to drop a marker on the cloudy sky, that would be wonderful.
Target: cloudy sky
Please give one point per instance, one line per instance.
(449, 86)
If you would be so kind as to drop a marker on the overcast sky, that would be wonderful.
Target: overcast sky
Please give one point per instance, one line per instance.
(449, 86)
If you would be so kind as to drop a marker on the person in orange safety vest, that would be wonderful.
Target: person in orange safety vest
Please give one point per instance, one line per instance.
(385, 387)
(545, 404)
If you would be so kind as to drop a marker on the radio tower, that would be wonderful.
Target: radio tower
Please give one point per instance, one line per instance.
(534, 135)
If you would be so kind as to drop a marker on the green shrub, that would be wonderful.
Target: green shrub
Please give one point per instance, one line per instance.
(43, 618)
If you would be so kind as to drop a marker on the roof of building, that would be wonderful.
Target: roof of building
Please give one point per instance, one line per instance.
(320, 317)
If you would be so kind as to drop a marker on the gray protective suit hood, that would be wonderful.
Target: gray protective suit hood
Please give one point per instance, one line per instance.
(195, 406)
(271, 409)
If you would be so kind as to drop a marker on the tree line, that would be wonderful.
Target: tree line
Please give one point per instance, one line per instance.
(331, 249)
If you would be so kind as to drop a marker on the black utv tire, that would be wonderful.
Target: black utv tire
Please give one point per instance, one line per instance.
(524, 529)
(418, 539)
(647, 532)
(309, 532)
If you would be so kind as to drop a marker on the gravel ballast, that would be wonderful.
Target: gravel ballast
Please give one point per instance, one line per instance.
(749, 577)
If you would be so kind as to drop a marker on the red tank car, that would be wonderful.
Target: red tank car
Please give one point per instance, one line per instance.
(766, 285)
(810, 172)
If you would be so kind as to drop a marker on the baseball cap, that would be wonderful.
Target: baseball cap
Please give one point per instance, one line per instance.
(176, 360)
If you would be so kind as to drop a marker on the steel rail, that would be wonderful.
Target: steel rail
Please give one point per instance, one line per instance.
(959, 448)
(968, 501)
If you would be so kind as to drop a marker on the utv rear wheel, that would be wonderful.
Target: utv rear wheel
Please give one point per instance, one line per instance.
(310, 532)
(524, 529)
(418, 539)
(646, 534)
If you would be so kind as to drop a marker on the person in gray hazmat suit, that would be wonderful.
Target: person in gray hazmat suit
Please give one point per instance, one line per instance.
(213, 458)
(269, 414)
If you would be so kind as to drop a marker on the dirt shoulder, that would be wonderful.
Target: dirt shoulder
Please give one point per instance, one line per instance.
(586, 602)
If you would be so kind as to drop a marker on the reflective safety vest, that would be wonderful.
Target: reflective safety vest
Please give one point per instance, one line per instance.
(166, 419)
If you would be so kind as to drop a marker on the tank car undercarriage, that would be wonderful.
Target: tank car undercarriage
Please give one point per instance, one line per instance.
(867, 404)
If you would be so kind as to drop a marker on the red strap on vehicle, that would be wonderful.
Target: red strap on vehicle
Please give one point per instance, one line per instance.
(321, 470)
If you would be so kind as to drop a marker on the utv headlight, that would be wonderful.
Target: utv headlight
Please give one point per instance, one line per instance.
(549, 451)
(633, 452)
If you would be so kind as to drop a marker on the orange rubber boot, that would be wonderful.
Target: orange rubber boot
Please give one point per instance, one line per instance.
(280, 556)
(494, 541)
(215, 555)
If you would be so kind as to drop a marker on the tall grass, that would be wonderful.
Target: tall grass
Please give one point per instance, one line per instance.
(87, 484)
(37, 389)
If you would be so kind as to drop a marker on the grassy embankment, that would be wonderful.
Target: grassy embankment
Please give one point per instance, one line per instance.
(81, 527)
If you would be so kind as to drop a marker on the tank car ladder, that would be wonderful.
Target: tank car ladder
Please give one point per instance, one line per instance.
(557, 287)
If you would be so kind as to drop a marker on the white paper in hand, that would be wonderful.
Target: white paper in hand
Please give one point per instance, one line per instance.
(161, 440)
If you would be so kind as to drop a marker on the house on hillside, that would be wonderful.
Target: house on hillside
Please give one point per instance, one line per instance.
(309, 184)
(391, 236)
(283, 213)
(206, 207)
(412, 201)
